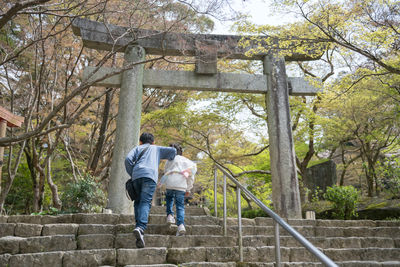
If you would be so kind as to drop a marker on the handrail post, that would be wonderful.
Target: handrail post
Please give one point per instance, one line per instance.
(215, 193)
(239, 209)
(224, 191)
(277, 245)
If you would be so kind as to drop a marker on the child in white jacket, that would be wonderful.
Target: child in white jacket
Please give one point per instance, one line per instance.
(178, 179)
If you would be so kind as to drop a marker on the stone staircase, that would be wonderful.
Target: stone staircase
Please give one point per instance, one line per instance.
(107, 240)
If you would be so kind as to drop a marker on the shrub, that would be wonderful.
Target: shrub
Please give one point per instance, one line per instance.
(388, 174)
(345, 199)
(85, 195)
(253, 213)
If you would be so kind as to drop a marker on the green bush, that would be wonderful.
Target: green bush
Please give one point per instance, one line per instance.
(253, 213)
(388, 172)
(83, 196)
(345, 199)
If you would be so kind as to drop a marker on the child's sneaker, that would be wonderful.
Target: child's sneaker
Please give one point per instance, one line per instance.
(181, 230)
(170, 219)
(138, 233)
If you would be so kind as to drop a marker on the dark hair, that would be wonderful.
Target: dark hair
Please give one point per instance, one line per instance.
(178, 148)
(146, 138)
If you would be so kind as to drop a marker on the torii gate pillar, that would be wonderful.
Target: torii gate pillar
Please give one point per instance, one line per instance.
(128, 128)
(285, 188)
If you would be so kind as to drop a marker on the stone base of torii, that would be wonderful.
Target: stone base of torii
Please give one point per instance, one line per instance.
(273, 83)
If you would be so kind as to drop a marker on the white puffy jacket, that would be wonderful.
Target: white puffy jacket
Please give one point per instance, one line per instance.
(174, 178)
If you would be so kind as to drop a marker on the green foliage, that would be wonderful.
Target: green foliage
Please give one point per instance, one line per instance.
(388, 173)
(345, 199)
(19, 199)
(253, 213)
(85, 195)
(50, 211)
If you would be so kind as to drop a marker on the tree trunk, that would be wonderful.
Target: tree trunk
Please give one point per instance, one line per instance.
(102, 133)
(53, 187)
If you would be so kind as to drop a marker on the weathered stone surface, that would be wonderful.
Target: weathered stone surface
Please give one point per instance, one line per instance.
(301, 254)
(52, 219)
(267, 254)
(346, 223)
(259, 240)
(163, 229)
(10, 244)
(396, 242)
(25, 229)
(60, 229)
(222, 254)
(285, 186)
(180, 255)
(188, 80)
(234, 222)
(48, 243)
(4, 259)
(94, 257)
(87, 229)
(102, 36)
(209, 264)
(264, 221)
(307, 231)
(141, 256)
(387, 223)
(96, 241)
(53, 259)
(189, 211)
(203, 241)
(3, 219)
(377, 254)
(29, 219)
(125, 228)
(102, 218)
(126, 219)
(7, 229)
(301, 222)
(320, 176)
(201, 220)
(204, 230)
(329, 231)
(129, 241)
(342, 254)
(341, 242)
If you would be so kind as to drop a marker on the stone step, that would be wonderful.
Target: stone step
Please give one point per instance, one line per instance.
(194, 215)
(30, 230)
(217, 256)
(98, 218)
(325, 242)
(20, 245)
(329, 223)
(266, 254)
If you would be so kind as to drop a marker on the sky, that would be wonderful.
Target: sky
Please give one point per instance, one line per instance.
(260, 12)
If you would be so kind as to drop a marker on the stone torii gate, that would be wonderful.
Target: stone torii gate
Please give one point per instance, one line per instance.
(135, 43)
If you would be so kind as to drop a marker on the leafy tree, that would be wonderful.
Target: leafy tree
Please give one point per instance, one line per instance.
(368, 118)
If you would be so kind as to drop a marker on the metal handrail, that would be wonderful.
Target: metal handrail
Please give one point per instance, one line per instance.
(278, 221)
